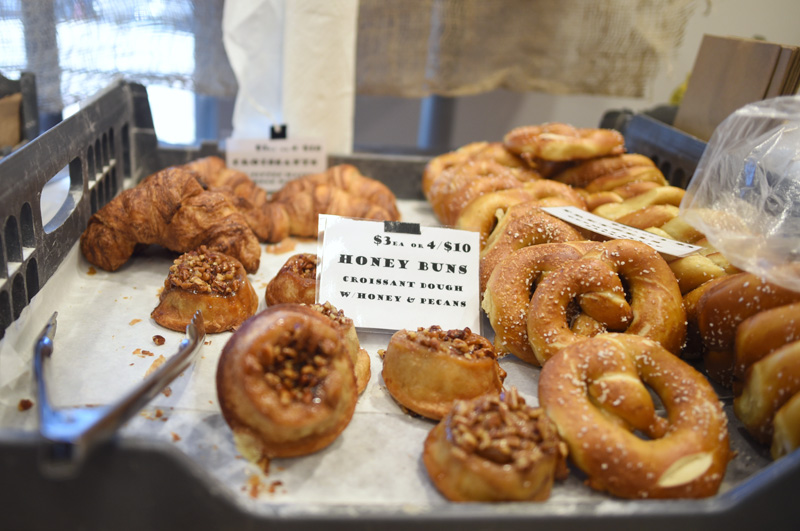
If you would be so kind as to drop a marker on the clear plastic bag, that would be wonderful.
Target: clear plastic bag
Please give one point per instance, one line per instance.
(745, 193)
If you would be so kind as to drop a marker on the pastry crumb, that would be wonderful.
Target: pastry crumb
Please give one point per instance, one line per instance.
(24, 405)
(159, 340)
(254, 486)
(175, 436)
(134, 321)
(91, 271)
(143, 353)
(158, 362)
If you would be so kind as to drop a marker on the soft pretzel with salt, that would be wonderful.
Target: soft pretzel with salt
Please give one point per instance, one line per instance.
(450, 194)
(473, 152)
(509, 287)
(562, 142)
(587, 171)
(769, 384)
(481, 214)
(761, 334)
(522, 225)
(650, 306)
(597, 394)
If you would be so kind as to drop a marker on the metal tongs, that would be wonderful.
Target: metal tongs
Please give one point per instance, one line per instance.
(70, 434)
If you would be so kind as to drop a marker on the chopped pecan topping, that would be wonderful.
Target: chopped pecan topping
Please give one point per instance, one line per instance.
(304, 264)
(296, 365)
(329, 310)
(204, 271)
(462, 342)
(503, 429)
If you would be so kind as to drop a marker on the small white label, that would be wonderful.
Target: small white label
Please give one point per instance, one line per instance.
(272, 163)
(393, 275)
(612, 229)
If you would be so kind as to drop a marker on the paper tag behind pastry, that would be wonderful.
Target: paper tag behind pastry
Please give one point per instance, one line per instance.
(600, 225)
(392, 275)
(273, 162)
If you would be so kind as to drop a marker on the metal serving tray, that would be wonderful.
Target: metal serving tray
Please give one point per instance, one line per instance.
(136, 483)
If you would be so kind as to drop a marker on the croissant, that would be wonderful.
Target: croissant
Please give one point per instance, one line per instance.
(294, 209)
(345, 177)
(249, 198)
(170, 208)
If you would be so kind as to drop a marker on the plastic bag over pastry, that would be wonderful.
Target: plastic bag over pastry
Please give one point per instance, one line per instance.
(294, 62)
(745, 193)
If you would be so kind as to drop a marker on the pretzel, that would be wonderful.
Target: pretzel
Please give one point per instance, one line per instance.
(480, 215)
(696, 269)
(285, 383)
(508, 292)
(665, 221)
(439, 164)
(786, 428)
(458, 186)
(597, 198)
(589, 170)
(597, 394)
(562, 142)
(761, 334)
(655, 310)
(429, 369)
(635, 177)
(662, 195)
(295, 281)
(722, 308)
(475, 151)
(769, 384)
(495, 448)
(522, 225)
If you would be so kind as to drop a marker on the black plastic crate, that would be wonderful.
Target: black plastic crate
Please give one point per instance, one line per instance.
(140, 484)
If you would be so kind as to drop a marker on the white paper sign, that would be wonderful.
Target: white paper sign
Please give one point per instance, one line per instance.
(271, 163)
(612, 229)
(394, 275)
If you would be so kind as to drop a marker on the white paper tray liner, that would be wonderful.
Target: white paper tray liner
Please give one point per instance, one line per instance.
(104, 327)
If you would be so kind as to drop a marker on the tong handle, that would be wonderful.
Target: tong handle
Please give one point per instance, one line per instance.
(71, 433)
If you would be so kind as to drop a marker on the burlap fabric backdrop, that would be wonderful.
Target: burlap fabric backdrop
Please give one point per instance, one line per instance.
(407, 48)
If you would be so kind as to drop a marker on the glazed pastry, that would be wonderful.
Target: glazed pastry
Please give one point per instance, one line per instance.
(172, 209)
(495, 448)
(359, 356)
(212, 282)
(285, 383)
(427, 370)
(598, 393)
(296, 281)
